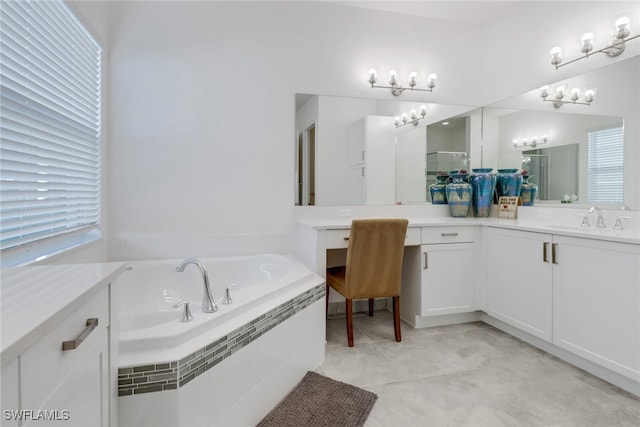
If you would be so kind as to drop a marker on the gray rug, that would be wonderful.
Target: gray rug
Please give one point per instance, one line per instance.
(320, 401)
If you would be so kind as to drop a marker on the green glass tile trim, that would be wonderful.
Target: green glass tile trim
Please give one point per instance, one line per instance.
(172, 375)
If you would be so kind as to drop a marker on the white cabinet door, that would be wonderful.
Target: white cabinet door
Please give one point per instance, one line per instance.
(597, 302)
(448, 278)
(519, 276)
(73, 385)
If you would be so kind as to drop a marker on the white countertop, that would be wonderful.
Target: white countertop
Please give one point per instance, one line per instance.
(558, 228)
(34, 299)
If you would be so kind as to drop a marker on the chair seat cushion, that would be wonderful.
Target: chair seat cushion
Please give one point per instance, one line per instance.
(336, 279)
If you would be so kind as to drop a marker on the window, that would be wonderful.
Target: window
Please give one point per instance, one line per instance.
(49, 128)
(605, 166)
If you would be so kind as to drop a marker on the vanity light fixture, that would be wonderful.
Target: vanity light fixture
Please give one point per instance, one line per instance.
(410, 119)
(561, 91)
(396, 89)
(533, 143)
(613, 49)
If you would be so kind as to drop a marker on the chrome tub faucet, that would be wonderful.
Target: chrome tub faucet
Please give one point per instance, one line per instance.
(208, 303)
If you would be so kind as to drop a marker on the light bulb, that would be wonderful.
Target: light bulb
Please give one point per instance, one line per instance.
(372, 76)
(575, 94)
(544, 91)
(423, 110)
(414, 114)
(431, 81)
(515, 143)
(545, 138)
(587, 43)
(396, 120)
(413, 77)
(525, 142)
(556, 55)
(560, 91)
(404, 118)
(534, 141)
(589, 94)
(393, 78)
(622, 26)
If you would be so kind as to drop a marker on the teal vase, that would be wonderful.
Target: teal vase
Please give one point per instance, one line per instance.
(459, 195)
(508, 183)
(483, 183)
(528, 191)
(438, 190)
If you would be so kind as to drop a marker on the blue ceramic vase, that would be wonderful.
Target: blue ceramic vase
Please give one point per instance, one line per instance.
(508, 183)
(459, 195)
(483, 183)
(528, 191)
(438, 190)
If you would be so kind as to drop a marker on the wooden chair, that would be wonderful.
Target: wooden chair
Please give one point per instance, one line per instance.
(374, 267)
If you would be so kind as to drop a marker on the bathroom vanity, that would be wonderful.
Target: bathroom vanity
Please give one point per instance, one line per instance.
(59, 350)
(573, 292)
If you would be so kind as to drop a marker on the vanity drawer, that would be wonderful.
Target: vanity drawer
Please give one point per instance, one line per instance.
(431, 235)
(337, 239)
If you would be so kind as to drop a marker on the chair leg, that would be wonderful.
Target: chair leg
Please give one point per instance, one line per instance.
(326, 303)
(371, 306)
(396, 317)
(349, 315)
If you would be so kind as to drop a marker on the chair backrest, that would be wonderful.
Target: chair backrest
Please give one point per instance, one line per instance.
(374, 257)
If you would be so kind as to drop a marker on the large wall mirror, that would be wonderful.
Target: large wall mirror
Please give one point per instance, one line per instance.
(586, 154)
(349, 152)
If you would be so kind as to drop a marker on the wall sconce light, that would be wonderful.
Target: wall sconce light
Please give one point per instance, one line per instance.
(533, 143)
(396, 89)
(411, 119)
(558, 100)
(613, 49)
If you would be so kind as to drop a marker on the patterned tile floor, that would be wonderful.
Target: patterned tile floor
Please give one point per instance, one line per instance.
(468, 375)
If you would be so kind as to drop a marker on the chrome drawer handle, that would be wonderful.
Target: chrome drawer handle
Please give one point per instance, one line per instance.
(73, 344)
(448, 234)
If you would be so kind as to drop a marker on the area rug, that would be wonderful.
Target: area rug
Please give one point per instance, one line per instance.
(319, 401)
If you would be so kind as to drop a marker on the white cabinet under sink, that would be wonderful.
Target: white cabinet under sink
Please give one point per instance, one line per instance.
(519, 276)
(596, 302)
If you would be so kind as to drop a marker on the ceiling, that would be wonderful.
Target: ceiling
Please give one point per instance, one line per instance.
(460, 11)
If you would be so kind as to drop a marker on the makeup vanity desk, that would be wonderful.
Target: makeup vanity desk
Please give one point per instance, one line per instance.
(439, 265)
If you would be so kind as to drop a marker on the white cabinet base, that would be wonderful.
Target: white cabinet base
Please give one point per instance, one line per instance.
(612, 377)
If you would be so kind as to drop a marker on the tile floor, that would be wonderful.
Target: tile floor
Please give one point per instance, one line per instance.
(468, 375)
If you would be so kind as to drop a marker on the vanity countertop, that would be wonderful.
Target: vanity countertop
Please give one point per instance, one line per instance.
(560, 228)
(35, 298)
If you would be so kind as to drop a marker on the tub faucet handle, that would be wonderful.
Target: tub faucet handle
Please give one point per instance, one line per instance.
(186, 313)
(227, 294)
(585, 220)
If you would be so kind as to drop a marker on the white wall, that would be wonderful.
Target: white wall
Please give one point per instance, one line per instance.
(201, 134)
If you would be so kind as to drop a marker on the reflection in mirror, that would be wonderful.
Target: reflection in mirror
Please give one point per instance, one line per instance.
(601, 134)
(362, 158)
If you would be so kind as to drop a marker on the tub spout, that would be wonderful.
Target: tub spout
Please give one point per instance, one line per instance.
(208, 304)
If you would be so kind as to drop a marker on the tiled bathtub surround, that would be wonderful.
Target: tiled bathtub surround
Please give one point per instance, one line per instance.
(171, 375)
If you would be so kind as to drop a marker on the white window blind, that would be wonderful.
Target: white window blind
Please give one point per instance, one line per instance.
(605, 164)
(49, 123)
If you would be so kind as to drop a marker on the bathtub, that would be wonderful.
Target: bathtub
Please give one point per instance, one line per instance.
(276, 318)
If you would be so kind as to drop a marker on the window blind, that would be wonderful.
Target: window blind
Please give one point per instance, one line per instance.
(49, 123)
(605, 164)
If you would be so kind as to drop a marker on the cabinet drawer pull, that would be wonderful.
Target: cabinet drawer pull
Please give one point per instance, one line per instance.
(448, 234)
(72, 345)
(345, 238)
(554, 253)
(426, 261)
(545, 256)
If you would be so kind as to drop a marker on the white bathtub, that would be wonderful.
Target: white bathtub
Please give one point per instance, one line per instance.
(166, 365)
